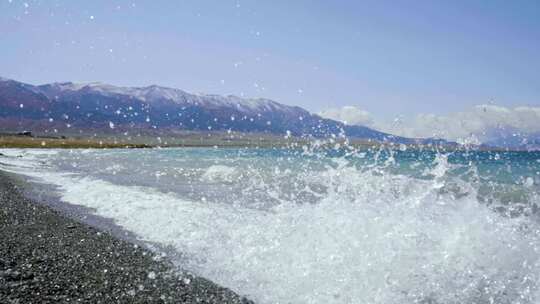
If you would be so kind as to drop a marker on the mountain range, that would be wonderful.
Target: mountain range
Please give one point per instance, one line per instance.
(97, 106)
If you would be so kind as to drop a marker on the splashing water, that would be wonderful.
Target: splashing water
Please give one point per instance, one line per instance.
(323, 226)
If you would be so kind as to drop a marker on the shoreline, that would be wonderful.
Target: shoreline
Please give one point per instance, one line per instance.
(47, 142)
(52, 252)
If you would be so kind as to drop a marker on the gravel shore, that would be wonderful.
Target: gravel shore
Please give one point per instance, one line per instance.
(47, 257)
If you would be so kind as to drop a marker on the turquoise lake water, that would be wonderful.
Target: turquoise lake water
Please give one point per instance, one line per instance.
(319, 225)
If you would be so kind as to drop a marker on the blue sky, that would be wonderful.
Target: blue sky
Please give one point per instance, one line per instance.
(388, 57)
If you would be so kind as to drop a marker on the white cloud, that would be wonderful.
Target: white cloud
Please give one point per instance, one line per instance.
(476, 124)
(350, 115)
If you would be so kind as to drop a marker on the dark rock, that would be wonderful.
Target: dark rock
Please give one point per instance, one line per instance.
(11, 275)
(25, 133)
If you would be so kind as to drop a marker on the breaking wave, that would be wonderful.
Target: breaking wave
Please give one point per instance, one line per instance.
(336, 230)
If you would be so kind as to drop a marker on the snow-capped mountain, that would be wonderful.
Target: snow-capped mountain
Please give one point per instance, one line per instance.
(97, 105)
(159, 93)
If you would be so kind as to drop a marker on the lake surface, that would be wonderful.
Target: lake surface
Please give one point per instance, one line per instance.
(319, 225)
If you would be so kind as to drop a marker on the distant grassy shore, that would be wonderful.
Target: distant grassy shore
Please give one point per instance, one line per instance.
(105, 140)
(69, 143)
(191, 140)
(23, 141)
(200, 139)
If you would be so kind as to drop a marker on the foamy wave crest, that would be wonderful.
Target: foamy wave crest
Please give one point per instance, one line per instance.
(220, 173)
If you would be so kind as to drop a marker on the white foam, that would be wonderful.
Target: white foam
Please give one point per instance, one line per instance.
(217, 173)
(14, 160)
(28, 153)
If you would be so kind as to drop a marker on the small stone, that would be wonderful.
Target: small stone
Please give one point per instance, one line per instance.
(10, 275)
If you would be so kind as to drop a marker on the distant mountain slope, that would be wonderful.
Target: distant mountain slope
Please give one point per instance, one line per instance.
(96, 105)
(505, 136)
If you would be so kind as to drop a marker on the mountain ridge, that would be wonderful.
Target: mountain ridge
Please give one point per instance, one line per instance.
(98, 105)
